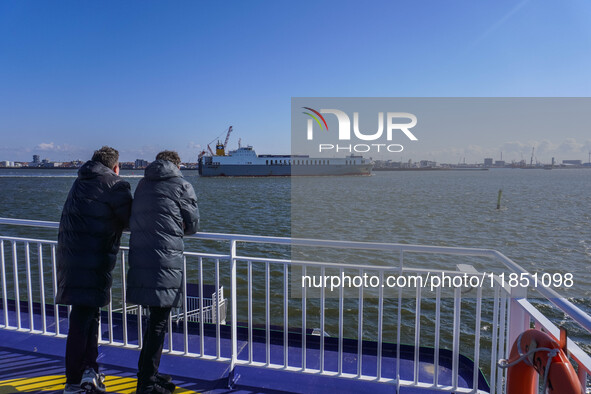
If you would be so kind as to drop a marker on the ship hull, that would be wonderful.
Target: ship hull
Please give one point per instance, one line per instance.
(213, 170)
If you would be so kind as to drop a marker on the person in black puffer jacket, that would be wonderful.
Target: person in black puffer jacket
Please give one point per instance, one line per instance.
(164, 209)
(95, 213)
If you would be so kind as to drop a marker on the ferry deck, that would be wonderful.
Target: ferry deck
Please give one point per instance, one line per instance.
(299, 343)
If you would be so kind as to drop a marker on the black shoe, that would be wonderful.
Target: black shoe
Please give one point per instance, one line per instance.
(154, 388)
(165, 381)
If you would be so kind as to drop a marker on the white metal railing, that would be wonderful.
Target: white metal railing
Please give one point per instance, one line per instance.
(262, 287)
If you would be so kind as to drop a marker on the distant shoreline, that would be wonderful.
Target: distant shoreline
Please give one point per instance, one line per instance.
(477, 168)
(382, 169)
(429, 169)
(77, 168)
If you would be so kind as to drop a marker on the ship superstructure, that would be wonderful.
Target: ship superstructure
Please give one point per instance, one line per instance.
(245, 162)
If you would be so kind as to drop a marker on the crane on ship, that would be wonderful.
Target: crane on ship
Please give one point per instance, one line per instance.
(220, 149)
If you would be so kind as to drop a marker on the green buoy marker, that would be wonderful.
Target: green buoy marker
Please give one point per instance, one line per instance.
(499, 199)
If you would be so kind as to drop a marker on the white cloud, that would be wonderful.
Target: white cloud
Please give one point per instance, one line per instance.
(53, 147)
(63, 152)
(45, 146)
(570, 146)
(193, 145)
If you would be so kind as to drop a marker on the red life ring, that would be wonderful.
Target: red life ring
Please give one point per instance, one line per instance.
(536, 351)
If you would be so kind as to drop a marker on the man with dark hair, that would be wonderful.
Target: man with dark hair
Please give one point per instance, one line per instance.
(171, 156)
(96, 211)
(164, 209)
(107, 156)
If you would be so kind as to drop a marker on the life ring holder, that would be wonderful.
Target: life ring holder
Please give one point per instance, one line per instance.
(524, 350)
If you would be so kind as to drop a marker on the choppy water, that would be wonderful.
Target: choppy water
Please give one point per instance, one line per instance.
(543, 224)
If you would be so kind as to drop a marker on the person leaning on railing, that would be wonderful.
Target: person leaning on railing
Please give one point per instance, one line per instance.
(164, 209)
(95, 213)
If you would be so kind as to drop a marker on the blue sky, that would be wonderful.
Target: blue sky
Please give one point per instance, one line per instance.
(144, 76)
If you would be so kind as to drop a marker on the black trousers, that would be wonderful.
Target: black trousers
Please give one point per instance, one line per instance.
(82, 343)
(152, 345)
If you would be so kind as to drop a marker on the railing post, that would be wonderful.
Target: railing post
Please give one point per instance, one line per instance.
(185, 308)
(56, 312)
(232, 378)
(124, 298)
(4, 291)
(518, 318)
(42, 287)
(29, 285)
(16, 286)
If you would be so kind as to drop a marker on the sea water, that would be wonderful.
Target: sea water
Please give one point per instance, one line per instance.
(543, 223)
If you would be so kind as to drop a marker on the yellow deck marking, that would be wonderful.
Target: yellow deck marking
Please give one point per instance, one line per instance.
(114, 384)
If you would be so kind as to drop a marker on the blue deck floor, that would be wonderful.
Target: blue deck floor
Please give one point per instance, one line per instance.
(35, 363)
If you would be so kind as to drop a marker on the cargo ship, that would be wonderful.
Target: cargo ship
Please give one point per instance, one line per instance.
(245, 162)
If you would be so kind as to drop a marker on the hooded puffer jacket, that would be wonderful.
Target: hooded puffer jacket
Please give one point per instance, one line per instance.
(164, 209)
(95, 213)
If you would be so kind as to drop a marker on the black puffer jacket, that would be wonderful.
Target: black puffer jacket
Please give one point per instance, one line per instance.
(164, 209)
(95, 213)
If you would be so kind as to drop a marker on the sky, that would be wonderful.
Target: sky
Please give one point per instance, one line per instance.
(143, 76)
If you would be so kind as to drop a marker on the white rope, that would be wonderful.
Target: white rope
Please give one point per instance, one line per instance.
(503, 363)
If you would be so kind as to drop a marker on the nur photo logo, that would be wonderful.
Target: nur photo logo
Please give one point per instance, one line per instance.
(393, 123)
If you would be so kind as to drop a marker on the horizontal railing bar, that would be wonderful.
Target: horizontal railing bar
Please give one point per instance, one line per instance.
(208, 255)
(346, 244)
(355, 266)
(30, 223)
(300, 241)
(122, 247)
(276, 261)
(32, 240)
